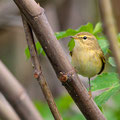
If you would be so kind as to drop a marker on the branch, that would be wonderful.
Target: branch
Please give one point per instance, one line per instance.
(38, 72)
(16, 95)
(35, 16)
(110, 29)
(6, 113)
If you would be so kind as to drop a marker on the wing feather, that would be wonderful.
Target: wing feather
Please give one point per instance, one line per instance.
(71, 53)
(103, 61)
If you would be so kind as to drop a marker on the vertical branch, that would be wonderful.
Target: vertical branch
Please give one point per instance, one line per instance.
(110, 29)
(116, 9)
(38, 73)
(16, 95)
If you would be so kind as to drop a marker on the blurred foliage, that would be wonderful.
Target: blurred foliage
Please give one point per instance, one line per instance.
(102, 98)
(69, 111)
(105, 80)
(64, 104)
(39, 50)
(111, 61)
(108, 82)
(112, 111)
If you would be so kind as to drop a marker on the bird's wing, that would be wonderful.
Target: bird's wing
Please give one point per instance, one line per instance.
(103, 61)
(71, 53)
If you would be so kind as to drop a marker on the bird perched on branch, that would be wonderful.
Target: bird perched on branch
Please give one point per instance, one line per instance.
(87, 56)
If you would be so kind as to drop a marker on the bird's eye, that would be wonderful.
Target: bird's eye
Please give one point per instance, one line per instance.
(85, 37)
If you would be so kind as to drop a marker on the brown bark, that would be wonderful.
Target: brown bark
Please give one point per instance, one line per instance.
(16, 95)
(34, 14)
(110, 30)
(6, 113)
(116, 12)
(38, 72)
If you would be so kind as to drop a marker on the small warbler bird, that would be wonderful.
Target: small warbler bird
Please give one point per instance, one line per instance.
(87, 56)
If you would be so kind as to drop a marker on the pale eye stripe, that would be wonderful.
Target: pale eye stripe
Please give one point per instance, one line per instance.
(85, 35)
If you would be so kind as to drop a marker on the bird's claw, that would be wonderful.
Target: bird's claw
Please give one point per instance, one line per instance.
(90, 94)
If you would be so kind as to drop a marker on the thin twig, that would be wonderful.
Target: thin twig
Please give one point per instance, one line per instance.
(16, 95)
(6, 113)
(35, 16)
(110, 29)
(38, 72)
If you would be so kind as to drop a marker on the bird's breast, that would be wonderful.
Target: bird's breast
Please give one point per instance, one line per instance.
(86, 62)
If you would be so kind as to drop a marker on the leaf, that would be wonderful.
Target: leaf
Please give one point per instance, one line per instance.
(75, 117)
(104, 80)
(118, 37)
(60, 35)
(98, 28)
(67, 33)
(86, 28)
(111, 61)
(103, 97)
(39, 50)
(110, 113)
(27, 53)
(70, 32)
(64, 103)
(103, 44)
(71, 44)
(101, 108)
(43, 110)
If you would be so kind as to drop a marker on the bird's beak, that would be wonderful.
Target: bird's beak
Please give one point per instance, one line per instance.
(74, 37)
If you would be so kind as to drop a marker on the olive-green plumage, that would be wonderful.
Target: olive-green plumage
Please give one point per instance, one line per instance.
(87, 56)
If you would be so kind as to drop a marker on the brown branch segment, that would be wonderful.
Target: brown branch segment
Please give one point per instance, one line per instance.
(7, 113)
(38, 21)
(110, 29)
(16, 95)
(38, 73)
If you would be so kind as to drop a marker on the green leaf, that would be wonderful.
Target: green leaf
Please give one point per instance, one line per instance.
(103, 97)
(110, 113)
(60, 35)
(67, 33)
(75, 117)
(71, 44)
(64, 103)
(104, 80)
(101, 108)
(43, 110)
(70, 32)
(86, 28)
(103, 44)
(111, 61)
(39, 50)
(98, 28)
(27, 52)
(118, 37)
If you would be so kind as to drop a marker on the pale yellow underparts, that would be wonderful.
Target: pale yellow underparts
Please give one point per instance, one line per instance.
(86, 61)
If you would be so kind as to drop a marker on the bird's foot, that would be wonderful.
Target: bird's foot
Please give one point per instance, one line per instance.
(90, 94)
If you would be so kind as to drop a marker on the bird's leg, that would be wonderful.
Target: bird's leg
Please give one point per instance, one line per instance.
(89, 92)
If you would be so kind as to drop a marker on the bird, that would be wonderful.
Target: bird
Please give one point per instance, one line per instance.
(87, 56)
